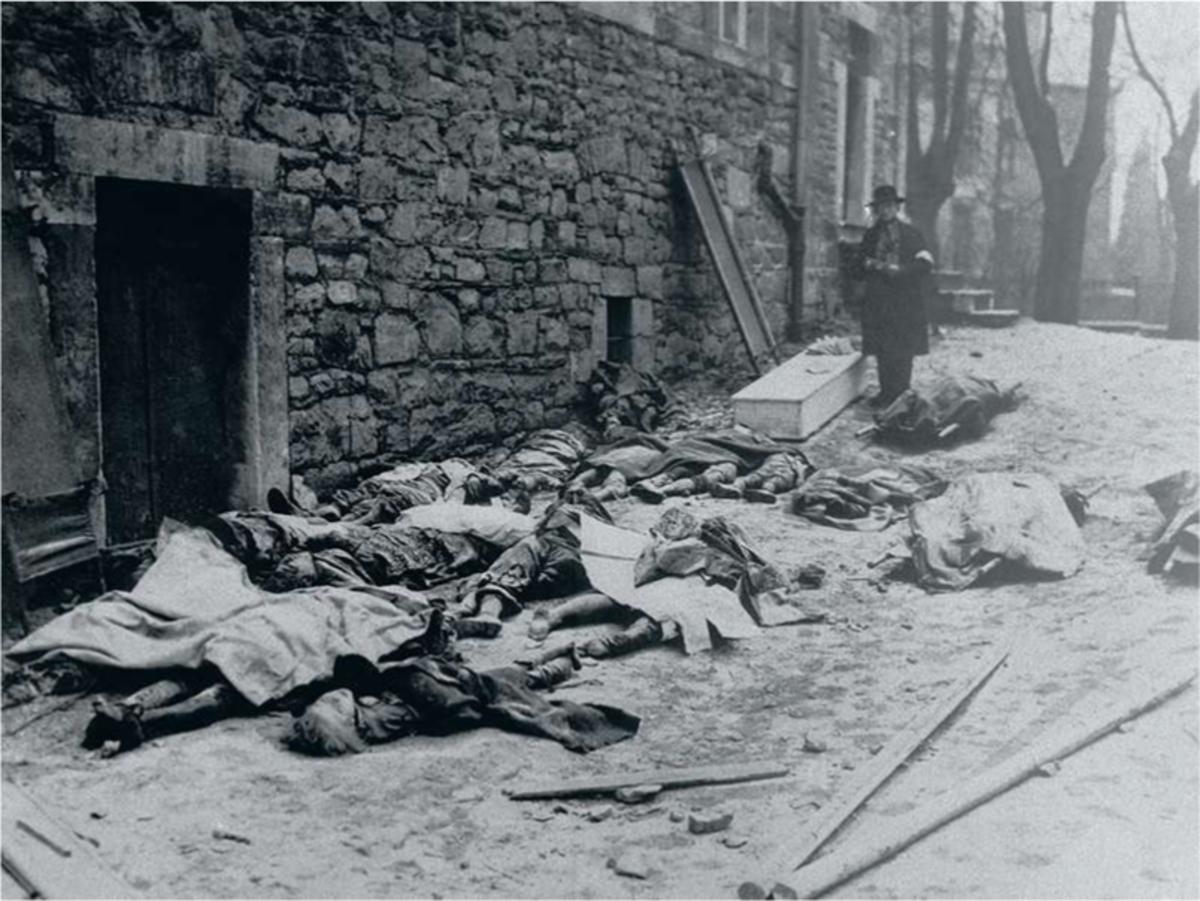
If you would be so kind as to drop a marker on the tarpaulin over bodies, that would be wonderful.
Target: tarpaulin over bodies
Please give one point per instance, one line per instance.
(610, 555)
(195, 607)
(955, 408)
(985, 520)
(864, 498)
(435, 696)
(1178, 544)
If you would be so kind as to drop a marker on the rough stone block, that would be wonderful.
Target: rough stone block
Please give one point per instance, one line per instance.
(443, 330)
(603, 154)
(88, 146)
(493, 234)
(618, 281)
(290, 125)
(127, 75)
(396, 339)
(650, 281)
(402, 227)
(377, 179)
(522, 333)
(468, 270)
(342, 133)
(301, 262)
(282, 215)
(342, 293)
(738, 188)
(483, 337)
(703, 824)
(336, 225)
(518, 236)
(453, 184)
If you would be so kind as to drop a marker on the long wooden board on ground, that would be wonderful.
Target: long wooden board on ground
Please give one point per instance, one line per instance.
(902, 746)
(796, 398)
(680, 777)
(45, 857)
(731, 268)
(834, 869)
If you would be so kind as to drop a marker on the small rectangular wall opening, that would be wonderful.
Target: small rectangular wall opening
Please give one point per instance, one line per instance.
(172, 277)
(619, 312)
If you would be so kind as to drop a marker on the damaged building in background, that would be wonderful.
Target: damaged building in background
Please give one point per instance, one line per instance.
(279, 240)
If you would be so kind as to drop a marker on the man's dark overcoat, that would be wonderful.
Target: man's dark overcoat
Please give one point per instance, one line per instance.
(894, 317)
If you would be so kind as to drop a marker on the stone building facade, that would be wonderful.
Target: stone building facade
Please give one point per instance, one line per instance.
(451, 210)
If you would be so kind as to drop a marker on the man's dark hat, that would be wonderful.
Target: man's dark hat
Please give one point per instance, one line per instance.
(885, 193)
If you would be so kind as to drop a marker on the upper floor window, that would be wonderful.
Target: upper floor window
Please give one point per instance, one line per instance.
(731, 24)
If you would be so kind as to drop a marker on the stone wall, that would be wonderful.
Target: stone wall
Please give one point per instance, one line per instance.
(455, 193)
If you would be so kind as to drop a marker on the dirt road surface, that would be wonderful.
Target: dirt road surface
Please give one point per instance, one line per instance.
(428, 817)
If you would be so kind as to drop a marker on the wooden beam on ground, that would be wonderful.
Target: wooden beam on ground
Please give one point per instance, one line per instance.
(836, 868)
(45, 857)
(902, 746)
(680, 777)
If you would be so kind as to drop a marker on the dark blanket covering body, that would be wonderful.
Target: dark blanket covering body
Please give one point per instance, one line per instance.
(434, 696)
(863, 498)
(917, 418)
(894, 318)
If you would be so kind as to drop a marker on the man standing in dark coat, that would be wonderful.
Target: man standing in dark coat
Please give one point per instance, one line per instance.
(896, 265)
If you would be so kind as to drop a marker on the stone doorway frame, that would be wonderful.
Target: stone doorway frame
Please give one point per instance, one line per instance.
(86, 148)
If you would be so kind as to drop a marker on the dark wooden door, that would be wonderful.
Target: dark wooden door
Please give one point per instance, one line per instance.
(172, 274)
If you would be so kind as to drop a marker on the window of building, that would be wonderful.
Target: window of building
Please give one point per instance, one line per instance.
(731, 22)
(619, 322)
(857, 92)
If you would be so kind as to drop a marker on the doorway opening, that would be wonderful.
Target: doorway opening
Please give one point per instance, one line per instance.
(172, 277)
(620, 329)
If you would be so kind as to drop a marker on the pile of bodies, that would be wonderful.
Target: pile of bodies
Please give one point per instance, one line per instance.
(349, 614)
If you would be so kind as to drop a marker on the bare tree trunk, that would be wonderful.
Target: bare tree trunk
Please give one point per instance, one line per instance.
(1066, 187)
(1060, 267)
(924, 203)
(930, 173)
(1183, 195)
(1185, 299)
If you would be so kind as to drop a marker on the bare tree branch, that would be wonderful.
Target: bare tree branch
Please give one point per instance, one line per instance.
(962, 77)
(913, 121)
(1145, 73)
(1044, 65)
(941, 53)
(1089, 150)
(1037, 115)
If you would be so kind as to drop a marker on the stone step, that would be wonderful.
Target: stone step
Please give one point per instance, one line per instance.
(991, 318)
(1120, 326)
(796, 398)
(949, 279)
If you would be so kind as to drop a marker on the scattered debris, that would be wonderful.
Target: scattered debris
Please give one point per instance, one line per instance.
(1176, 548)
(226, 835)
(704, 824)
(637, 794)
(680, 777)
(630, 863)
(814, 745)
(734, 841)
(601, 814)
